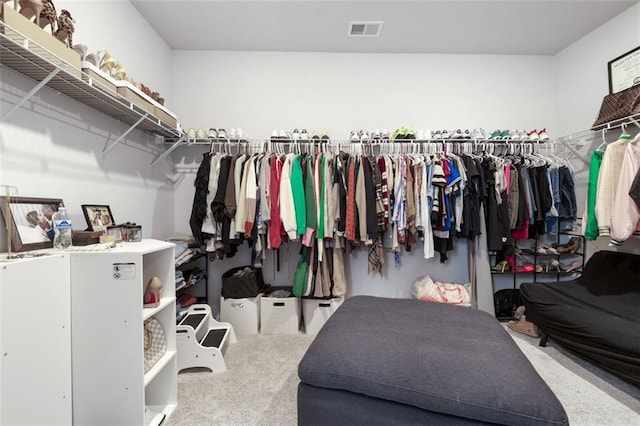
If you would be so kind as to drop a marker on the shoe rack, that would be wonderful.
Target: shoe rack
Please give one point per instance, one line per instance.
(548, 266)
(33, 60)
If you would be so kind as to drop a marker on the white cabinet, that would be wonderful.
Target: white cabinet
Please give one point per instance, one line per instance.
(35, 341)
(110, 386)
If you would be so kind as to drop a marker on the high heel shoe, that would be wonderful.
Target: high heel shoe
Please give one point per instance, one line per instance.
(65, 30)
(29, 8)
(542, 249)
(152, 293)
(553, 266)
(119, 72)
(501, 266)
(572, 266)
(49, 16)
(569, 248)
(106, 62)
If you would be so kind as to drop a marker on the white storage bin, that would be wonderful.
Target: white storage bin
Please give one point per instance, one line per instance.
(316, 312)
(279, 315)
(243, 314)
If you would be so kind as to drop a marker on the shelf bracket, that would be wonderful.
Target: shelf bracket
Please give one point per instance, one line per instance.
(169, 150)
(31, 93)
(107, 149)
(575, 152)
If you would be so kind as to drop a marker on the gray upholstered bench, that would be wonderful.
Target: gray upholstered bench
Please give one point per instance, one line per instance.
(381, 361)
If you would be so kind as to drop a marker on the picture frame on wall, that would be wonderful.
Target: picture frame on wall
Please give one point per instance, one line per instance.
(30, 221)
(98, 216)
(624, 71)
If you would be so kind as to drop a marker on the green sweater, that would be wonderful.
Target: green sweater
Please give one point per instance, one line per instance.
(591, 229)
(297, 186)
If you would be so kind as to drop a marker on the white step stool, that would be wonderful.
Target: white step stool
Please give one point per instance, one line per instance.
(201, 339)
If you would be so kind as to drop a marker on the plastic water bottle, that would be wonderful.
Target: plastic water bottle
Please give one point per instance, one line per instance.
(62, 227)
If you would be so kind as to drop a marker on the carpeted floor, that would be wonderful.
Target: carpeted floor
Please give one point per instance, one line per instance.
(259, 387)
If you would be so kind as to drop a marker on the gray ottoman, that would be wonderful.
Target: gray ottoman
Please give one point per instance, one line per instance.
(400, 361)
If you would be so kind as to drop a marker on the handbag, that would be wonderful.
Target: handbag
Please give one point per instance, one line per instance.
(506, 302)
(155, 344)
(426, 289)
(618, 105)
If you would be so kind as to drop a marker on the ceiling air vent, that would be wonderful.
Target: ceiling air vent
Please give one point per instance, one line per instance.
(364, 28)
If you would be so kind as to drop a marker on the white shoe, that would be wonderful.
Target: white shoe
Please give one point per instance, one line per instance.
(304, 136)
(295, 135)
(232, 134)
(282, 134)
(212, 133)
(354, 136)
(377, 134)
(420, 135)
(222, 134)
(385, 134)
(364, 135)
(240, 134)
(543, 135)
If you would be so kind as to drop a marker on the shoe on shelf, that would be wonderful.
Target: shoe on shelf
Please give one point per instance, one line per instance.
(466, 134)
(289, 136)
(533, 135)
(240, 134)
(569, 248)
(543, 135)
(232, 134)
(504, 134)
(295, 135)
(524, 136)
(222, 134)
(514, 135)
(304, 136)
(364, 135)
(457, 134)
(446, 134)
(200, 134)
(191, 133)
(324, 135)
(274, 134)
(376, 134)
(572, 266)
(495, 135)
(420, 135)
(553, 266)
(353, 137)
(282, 134)
(385, 134)
(212, 133)
(437, 135)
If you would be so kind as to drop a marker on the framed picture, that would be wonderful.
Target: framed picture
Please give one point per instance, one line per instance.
(624, 71)
(29, 220)
(98, 217)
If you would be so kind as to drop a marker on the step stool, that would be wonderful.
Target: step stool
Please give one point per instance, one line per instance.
(201, 339)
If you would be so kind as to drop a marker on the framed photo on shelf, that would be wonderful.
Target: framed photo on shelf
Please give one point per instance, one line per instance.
(624, 71)
(98, 217)
(29, 221)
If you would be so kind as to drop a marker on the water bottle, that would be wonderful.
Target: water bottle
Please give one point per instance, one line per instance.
(62, 227)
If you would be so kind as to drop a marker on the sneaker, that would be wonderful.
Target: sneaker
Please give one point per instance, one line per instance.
(282, 134)
(437, 135)
(274, 134)
(514, 135)
(466, 134)
(495, 135)
(232, 134)
(212, 133)
(354, 136)
(533, 135)
(240, 134)
(200, 134)
(543, 135)
(295, 135)
(304, 136)
(376, 134)
(289, 136)
(457, 134)
(445, 134)
(420, 135)
(428, 134)
(478, 134)
(324, 135)
(385, 134)
(222, 134)
(315, 135)
(191, 133)
(504, 134)
(524, 136)
(364, 135)
(409, 134)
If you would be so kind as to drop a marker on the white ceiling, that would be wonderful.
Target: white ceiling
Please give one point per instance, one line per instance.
(533, 27)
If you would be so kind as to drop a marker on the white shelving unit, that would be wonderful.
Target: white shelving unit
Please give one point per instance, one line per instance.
(35, 341)
(110, 386)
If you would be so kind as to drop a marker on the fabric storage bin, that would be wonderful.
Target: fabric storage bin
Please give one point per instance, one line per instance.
(279, 315)
(315, 312)
(240, 282)
(243, 314)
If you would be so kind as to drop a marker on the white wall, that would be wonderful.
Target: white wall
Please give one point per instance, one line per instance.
(260, 91)
(52, 146)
